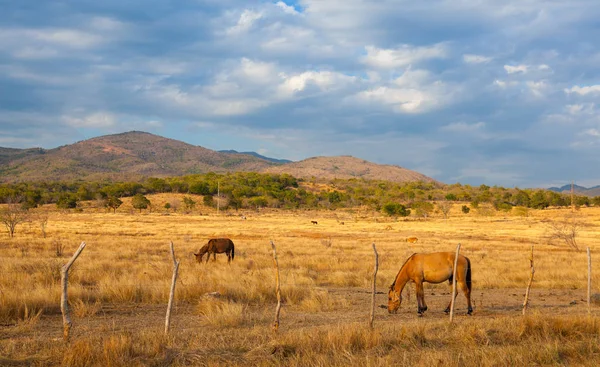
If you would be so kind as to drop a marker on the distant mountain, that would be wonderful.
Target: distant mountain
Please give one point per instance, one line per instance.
(274, 160)
(125, 156)
(581, 190)
(135, 155)
(345, 167)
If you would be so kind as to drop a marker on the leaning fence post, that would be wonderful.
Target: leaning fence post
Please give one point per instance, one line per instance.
(589, 290)
(172, 293)
(64, 301)
(278, 289)
(454, 283)
(374, 287)
(526, 302)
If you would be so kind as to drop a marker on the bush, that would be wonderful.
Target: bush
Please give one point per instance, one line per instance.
(395, 209)
(465, 209)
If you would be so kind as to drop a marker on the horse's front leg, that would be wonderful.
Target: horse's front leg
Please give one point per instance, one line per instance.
(207, 257)
(422, 306)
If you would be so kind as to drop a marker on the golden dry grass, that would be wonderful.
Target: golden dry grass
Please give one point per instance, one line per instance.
(119, 288)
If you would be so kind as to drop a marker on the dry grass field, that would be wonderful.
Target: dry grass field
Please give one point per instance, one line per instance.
(119, 287)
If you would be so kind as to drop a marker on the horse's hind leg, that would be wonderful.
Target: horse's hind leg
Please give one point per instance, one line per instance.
(447, 310)
(467, 293)
(229, 257)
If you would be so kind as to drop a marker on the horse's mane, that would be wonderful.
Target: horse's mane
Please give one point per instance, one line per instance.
(402, 267)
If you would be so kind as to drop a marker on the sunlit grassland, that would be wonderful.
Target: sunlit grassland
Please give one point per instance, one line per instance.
(127, 262)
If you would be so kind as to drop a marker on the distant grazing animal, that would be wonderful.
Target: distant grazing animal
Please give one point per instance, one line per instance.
(313, 222)
(412, 239)
(432, 268)
(217, 246)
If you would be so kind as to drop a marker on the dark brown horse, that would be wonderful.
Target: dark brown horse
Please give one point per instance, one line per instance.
(217, 246)
(436, 267)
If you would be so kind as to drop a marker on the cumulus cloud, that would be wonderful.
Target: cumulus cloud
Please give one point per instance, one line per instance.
(289, 9)
(403, 56)
(592, 89)
(245, 22)
(518, 74)
(476, 59)
(510, 69)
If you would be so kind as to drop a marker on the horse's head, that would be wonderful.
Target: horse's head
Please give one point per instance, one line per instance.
(201, 253)
(394, 300)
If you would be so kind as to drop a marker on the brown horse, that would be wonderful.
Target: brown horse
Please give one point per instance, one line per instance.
(217, 246)
(432, 268)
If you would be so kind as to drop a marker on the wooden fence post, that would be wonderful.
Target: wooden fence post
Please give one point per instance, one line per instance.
(589, 289)
(172, 293)
(374, 287)
(64, 299)
(278, 289)
(526, 302)
(454, 284)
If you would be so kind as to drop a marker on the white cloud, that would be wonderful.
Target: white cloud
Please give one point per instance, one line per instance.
(94, 120)
(592, 89)
(245, 22)
(323, 79)
(580, 109)
(402, 56)
(592, 132)
(476, 59)
(505, 84)
(289, 9)
(515, 69)
(537, 88)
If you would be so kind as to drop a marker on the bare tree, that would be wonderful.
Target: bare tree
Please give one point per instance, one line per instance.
(12, 215)
(564, 231)
(445, 207)
(43, 220)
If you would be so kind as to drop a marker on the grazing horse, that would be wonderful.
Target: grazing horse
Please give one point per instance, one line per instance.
(432, 268)
(412, 239)
(313, 222)
(217, 246)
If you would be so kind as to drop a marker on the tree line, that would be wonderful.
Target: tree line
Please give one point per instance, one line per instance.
(245, 190)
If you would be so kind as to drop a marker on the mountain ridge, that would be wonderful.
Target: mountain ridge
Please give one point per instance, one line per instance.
(136, 155)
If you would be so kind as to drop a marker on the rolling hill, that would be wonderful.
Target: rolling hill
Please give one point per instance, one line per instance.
(125, 156)
(135, 155)
(345, 167)
(580, 190)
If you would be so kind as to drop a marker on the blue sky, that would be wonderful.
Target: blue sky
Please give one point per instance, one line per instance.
(472, 91)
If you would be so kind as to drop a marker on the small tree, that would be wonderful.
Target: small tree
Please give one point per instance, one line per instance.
(188, 203)
(67, 201)
(11, 216)
(208, 200)
(140, 202)
(565, 231)
(445, 207)
(43, 220)
(422, 208)
(167, 206)
(113, 203)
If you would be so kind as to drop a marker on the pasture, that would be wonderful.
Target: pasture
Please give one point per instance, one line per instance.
(119, 287)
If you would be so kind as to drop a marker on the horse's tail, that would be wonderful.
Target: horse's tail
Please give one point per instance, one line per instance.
(468, 273)
(232, 250)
